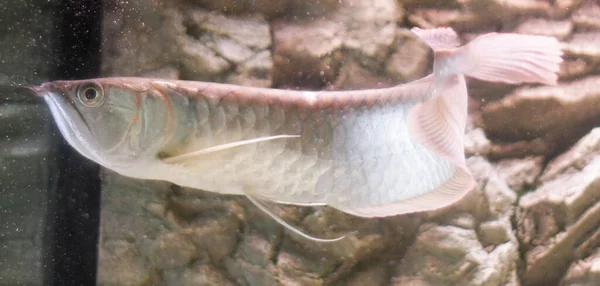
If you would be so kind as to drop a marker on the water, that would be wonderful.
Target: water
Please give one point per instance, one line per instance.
(66, 221)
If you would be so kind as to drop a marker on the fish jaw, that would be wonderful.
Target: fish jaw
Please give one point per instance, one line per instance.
(70, 122)
(59, 108)
(75, 132)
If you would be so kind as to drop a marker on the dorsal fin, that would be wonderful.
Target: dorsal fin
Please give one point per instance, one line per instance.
(438, 38)
(261, 204)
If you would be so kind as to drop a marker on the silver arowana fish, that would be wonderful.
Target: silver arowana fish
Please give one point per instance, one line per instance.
(370, 153)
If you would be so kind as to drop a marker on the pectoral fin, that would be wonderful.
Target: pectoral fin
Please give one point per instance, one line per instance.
(186, 156)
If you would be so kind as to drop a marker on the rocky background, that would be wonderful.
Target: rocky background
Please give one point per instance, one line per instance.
(533, 219)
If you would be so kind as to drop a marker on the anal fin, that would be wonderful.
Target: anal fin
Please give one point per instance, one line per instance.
(450, 192)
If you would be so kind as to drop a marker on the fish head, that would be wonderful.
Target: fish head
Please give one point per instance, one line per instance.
(100, 118)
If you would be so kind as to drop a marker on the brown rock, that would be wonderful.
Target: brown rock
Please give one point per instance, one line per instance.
(266, 7)
(508, 8)
(477, 15)
(254, 72)
(246, 273)
(459, 20)
(412, 4)
(540, 26)
(296, 262)
(558, 115)
(462, 220)
(213, 44)
(520, 173)
(221, 229)
(583, 54)
(254, 263)
(558, 222)
(476, 143)
(499, 196)
(490, 209)
(130, 48)
(586, 17)
(495, 232)
(447, 255)
(120, 263)
(519, 149)
(185, 43)
(576, 67)
(317, 9)
(547, 263)
(524, 7)
(307, 51)
(410, 58)
(585, 45)
(127, 228)
(375, 275)
(570, 194)
(585, 272)
(227, 6)
(202, 62)
(352, 76)
(171, 250)
(579, 156)
(255, 249)
(167, 72)
(197, 274)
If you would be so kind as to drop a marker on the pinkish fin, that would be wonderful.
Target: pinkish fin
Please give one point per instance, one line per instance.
(262, 204)
(450, 192)
(438, 38)
(186, 156)
(511, 58)
(439, 123)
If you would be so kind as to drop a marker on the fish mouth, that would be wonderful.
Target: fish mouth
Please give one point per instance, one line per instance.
(39, 91)
(71, 124)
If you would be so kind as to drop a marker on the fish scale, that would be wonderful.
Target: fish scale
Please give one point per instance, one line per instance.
(356, 160)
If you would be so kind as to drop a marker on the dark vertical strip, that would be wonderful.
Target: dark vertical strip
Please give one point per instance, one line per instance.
(73, 219)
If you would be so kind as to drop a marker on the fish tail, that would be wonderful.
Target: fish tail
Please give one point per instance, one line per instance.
(496, 57)
(513, 58)
(438, 123)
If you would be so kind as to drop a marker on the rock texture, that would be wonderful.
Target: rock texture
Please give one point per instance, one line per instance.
(533, 218)
(310, 51)
(558, 223)
(548, 119)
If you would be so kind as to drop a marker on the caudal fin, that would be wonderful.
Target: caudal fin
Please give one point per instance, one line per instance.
(496, 57)
(512, 58)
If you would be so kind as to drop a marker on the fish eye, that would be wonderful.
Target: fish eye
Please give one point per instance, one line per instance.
(90, 95)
